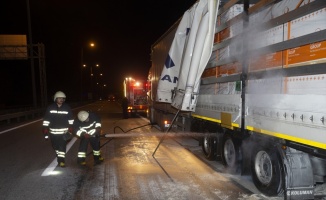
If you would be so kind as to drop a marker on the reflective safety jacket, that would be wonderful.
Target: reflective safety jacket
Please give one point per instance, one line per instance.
(91, 127)
(58, 119)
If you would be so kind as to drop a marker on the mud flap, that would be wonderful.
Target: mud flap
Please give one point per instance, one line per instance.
(299, 178)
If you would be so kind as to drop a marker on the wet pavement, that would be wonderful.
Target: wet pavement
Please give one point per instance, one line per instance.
(130, 171)
(178, 170)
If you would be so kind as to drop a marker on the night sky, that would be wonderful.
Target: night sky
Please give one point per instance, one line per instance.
(123, 32)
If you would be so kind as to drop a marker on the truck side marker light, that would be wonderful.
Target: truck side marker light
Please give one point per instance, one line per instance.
(284, 147)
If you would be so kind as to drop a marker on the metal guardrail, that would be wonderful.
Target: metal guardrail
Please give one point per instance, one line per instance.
(21, 114)
(18, 116)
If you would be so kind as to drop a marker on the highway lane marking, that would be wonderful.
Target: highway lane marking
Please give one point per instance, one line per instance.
(5, 131)
(49, 170)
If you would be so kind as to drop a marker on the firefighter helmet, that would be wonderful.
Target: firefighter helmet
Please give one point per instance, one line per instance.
(83, 115)
(59, 94)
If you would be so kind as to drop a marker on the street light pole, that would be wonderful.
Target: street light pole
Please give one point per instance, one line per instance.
(92, 87)
(81, 69)
(99, 83)
(31, 53)
(92, 81)
(81, 73)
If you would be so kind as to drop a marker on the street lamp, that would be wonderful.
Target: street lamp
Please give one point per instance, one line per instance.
(82, 65)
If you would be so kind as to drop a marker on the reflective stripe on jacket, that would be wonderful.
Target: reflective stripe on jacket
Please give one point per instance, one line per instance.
(89, 127)
(58, 119)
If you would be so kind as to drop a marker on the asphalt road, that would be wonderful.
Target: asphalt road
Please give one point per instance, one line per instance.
(130, 171)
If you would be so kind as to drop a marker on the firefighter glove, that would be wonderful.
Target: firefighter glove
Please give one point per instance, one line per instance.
(46, 133)
(67, 136)
(86, 135)
(70, 130)
(98, 132)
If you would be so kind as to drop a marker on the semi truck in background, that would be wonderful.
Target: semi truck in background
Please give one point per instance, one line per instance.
(261, 103)
(136, 93)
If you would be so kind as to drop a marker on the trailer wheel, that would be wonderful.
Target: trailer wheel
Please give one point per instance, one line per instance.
(230, 152)
(267, 171)
(209, 147)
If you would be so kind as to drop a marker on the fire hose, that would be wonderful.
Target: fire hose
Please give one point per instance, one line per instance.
(114, 135)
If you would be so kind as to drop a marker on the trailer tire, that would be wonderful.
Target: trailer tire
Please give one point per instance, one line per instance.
(209, 146)
(230, 152)
(266, 169)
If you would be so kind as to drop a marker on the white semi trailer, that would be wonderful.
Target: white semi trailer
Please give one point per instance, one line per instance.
(261, 103)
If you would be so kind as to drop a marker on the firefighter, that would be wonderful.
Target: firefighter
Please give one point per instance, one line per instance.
(124, 105)
(57, 122)
(88, 128)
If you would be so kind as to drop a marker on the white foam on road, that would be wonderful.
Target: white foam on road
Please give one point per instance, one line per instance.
(144, 118)
(49, 170)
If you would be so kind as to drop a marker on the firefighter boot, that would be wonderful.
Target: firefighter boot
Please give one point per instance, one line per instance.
(101, 159)
(81, 162)
(98, 159)
(61, 161)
